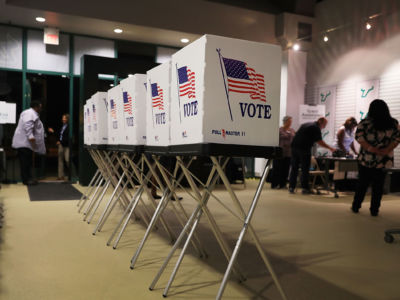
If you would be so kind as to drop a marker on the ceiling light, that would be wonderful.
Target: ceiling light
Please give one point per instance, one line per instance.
(64, 76)
(185, 41)
(368, 26)
(40, 19)
(296, 47)
(111, 84)
(130, 75)
(118, 30)
(326, 38)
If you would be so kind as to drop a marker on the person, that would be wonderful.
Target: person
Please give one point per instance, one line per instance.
(303, 141)
(345, 136)
(378, 134)
(280, 167)
(63, 146)
(29, 137)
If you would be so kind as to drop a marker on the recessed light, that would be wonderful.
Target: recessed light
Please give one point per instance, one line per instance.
(64, 76)
(368, 26)
(130, 75)
(296, 47)
(326, 38)
(185, 41)
(118, 30)
(111, 84)
(40, 19)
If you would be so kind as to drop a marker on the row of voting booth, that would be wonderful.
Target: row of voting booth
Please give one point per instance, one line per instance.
(217, 97)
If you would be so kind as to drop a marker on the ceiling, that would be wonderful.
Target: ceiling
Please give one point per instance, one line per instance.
(158, 21)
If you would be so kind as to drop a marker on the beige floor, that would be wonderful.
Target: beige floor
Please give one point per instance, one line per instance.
(318, 248)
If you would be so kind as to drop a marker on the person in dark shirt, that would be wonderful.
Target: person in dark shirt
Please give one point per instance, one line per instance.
(378, 135)
(63, 146)
(303, 141)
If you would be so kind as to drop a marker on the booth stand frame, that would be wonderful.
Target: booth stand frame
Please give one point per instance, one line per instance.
(219, 155)
(119, 165)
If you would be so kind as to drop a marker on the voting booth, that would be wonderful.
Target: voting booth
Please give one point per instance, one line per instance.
(217, 98)
(225, 91)
(134, 109)
(157, 105)
(85, 126)
(89, 121)
(99, 118)
(115, 116)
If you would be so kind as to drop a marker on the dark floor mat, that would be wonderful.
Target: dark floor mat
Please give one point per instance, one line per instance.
(52, 191)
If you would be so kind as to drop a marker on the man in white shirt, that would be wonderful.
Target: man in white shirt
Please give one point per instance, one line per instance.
(29, 137)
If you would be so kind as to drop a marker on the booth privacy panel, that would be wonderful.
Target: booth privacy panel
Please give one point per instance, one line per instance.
(157, 106)
(115, 116)
(134, 105)
(234, 90)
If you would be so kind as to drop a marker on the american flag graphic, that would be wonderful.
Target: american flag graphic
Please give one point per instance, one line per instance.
(113, 109)
(243, 79)
(127, 102)
(94, 112)
(186, 80)
(157, 96)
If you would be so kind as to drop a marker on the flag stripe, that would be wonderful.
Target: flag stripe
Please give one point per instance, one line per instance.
(243, 79)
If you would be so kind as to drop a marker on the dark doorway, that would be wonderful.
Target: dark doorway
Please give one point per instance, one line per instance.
(53, 92)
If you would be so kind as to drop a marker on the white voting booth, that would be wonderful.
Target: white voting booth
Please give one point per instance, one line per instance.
(157, 105)
(99, 118)
(217, 98)
(115, 116)
(225, 91)
(89, 122)
(85, 126)
(134, 109)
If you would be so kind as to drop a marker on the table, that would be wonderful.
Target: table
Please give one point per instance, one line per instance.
(345, 165)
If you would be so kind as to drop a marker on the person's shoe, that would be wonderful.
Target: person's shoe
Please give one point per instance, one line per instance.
(306, 192)
(374, 213)
(291, 190)
(354, 209)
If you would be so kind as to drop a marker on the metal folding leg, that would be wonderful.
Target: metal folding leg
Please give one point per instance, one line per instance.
(162, 205)
(143, 181)
(89, 188)
(134, 202)
(194, 219)
(246, 226)
(171, 185)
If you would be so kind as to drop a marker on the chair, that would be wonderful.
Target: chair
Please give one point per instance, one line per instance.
(316, 172)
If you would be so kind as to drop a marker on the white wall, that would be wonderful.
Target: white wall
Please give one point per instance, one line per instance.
(354, 54)
(47, 57)
(10, 47)
(296, 82)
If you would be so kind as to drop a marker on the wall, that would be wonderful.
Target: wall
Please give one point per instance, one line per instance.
(354, 54)
(296, 83)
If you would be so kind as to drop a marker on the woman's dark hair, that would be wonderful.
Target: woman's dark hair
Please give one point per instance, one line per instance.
(380, 115)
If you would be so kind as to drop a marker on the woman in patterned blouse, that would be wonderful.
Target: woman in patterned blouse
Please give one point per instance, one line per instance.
(378, 134)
